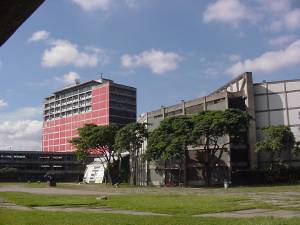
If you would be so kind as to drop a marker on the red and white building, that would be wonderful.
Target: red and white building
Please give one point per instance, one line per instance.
(99, 102)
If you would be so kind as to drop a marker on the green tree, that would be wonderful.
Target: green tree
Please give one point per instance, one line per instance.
(97, 140)
(277, 140)
(213, 131)
(170, 141)
(130, 138)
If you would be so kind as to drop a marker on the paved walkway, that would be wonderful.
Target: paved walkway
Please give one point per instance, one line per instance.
(254, 213)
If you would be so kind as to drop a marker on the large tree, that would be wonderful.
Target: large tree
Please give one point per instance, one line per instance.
(213, 131)
(97, 140)
(130, 138)
(170, 141)
(277, 140)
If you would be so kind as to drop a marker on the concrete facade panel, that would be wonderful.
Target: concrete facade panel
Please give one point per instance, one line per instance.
(278, 117)
(294, 116)
(261, 102)
(292, 85)
(262, 119)
(277, 101)
(260, 89)
(276, 87)
(293, 99)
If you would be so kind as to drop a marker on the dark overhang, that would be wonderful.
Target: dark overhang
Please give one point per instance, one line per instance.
(13, 13)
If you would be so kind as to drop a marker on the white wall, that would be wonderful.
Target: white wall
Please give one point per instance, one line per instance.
(272, 108)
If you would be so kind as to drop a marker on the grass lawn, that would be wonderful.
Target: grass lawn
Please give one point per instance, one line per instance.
(169, 204)
(14, 217)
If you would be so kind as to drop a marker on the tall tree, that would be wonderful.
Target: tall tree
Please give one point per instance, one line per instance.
(277, 139)
(170, 141)
(130, 138)
(214, 130)
(97, 140)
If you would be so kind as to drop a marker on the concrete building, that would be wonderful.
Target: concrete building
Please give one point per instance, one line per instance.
(268, 103)
(99, 102)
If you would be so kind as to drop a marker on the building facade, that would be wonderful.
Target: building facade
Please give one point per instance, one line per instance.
(268, 103)
(33, 165)
(99, 102)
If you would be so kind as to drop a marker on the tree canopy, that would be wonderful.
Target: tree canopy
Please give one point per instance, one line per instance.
(97, 140)
(130, 138)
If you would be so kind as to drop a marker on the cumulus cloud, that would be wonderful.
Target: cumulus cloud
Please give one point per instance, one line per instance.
(104, 5)
(90, 5)
(68, 78)
(21, 129)
(292, 19)
(269, 61)
(63, 52)
(39, 36)
(282, 40)
(234, 57)
(2, 103)
(227, 11)
(158, 61)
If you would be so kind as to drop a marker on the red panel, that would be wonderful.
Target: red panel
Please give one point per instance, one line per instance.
(56, 142)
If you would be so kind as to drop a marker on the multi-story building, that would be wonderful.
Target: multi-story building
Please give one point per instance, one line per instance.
(268, 103)
(99, 102)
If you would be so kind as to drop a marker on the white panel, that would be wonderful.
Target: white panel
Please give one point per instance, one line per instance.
(261, 102)
(293, 99)
(291, 86)
(278, 87)
(278, 117)
(294, 116)
(260, 89)
(261, 119)
(277, 101)
(296, 132)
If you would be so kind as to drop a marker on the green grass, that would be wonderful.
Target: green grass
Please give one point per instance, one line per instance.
(179, 204)
(169, 204)
(28, 199)
(14, 217)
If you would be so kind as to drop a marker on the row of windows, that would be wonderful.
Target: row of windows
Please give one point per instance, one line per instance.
(68, 113)
(69, 107)
(117, 90)
(69, 100)
(120, 105)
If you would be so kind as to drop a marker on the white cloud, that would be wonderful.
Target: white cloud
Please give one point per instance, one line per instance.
(64, 53)
(21, 129)
(292, 19)
(39, 36)
(234, 57)
(68, 78)
(281, 40)
(104, 5)
(2, 103)
(133, 3)
(228, 11)
(158, 61)
(269, 61)
(91, 5)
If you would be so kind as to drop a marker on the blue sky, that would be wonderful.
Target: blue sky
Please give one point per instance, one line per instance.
(168, 49)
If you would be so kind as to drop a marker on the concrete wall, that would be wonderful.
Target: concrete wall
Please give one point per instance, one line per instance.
(277, 103)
